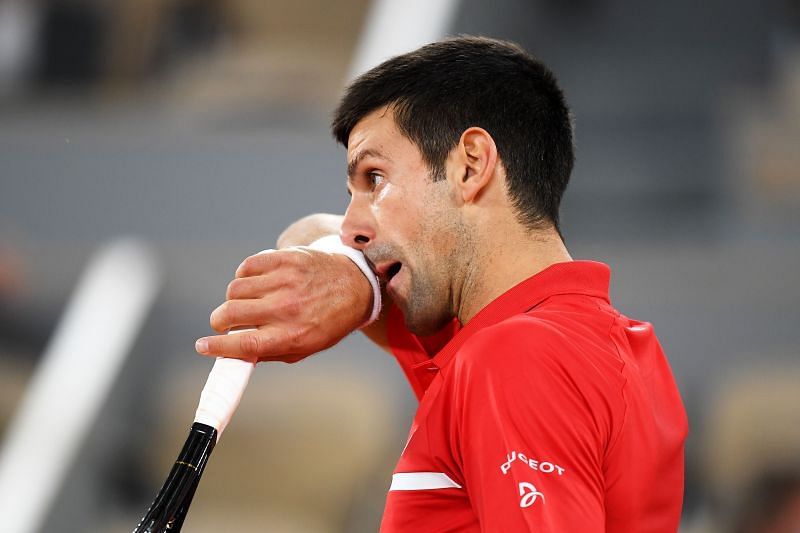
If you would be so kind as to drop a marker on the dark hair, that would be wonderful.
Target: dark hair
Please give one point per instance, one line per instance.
(443, 88)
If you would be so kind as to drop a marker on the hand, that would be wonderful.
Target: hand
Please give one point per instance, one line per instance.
(301, 301)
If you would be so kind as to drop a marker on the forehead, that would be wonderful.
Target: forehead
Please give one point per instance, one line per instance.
(377, 133)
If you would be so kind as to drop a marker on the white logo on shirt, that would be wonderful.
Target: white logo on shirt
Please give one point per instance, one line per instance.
(528, 494)
(546, 467)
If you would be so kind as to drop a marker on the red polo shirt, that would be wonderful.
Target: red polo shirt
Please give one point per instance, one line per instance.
(549, 411)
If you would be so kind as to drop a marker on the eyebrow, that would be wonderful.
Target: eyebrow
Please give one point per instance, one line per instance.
(360, 156)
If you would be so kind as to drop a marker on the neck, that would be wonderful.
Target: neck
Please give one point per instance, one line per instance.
(503, 260)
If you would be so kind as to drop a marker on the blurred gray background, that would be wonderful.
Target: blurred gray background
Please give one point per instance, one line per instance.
(201, 128)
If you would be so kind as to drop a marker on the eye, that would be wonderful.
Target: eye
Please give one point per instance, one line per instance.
(375, 179)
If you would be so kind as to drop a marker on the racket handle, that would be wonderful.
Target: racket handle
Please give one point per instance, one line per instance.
(222, 392)
(218, 401)
(168, 510)
(224, 388)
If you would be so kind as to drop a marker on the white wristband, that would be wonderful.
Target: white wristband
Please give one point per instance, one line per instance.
(333, 244)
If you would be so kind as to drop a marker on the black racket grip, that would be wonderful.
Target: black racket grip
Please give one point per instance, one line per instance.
(168, 510)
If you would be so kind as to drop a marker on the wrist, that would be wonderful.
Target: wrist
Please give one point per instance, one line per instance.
(333, 244)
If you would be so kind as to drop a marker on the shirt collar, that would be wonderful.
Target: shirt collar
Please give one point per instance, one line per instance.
(588, 278)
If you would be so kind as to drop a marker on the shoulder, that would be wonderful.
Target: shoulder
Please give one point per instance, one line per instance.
(536, 370)
(535, 350)
(520, 340)
(512, 358)
(525, 371)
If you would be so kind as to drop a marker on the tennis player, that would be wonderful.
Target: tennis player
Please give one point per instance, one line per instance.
(541, 407)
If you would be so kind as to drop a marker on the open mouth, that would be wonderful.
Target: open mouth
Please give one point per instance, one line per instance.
(385, 270)
(393, 270)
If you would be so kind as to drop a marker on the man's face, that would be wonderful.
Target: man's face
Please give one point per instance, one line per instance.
(406, 224)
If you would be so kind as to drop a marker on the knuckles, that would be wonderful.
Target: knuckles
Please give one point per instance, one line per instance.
(217, 318)
(259, 263)
(297, 260)
(297, 338)
(294, 283)
(233, 290)
(291, 308)
(250, 344)
(298, 293)
(246, 267)
(298, 341)
(224, 317)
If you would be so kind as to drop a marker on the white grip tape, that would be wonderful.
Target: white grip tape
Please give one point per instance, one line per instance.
(333, 244)
(223, 391)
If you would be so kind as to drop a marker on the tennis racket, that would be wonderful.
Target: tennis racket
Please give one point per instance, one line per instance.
(218, 401)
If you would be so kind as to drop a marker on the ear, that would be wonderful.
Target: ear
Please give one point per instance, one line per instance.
(476, 156)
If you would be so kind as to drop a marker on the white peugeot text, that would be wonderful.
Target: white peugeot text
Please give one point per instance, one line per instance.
(546, 467)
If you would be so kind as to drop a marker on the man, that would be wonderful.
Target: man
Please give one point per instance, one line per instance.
(542, 408)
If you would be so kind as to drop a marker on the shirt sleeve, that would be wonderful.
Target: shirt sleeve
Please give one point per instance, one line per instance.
(531, 444)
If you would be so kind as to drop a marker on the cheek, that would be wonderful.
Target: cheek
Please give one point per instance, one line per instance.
(387, 206)
(385, 192)
(397, 212)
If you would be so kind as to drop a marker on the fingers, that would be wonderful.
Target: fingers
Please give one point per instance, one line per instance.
(271, 260)
(258, 286)
(264, 344)
(245, 345)
(237, 313)
(301, 300)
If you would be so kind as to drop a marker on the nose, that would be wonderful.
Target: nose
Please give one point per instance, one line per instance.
(358, 226)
